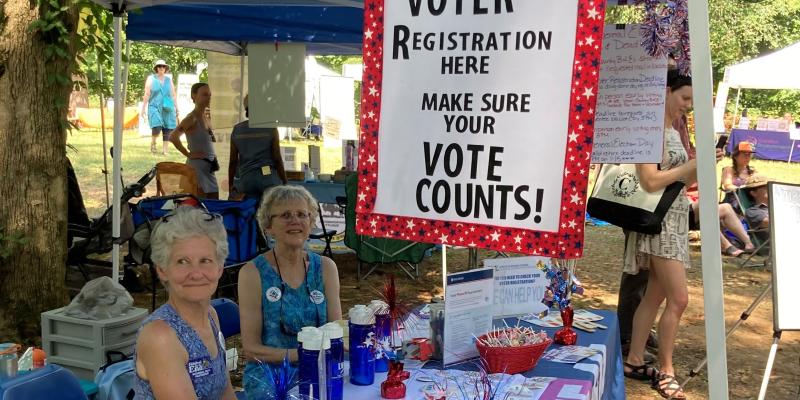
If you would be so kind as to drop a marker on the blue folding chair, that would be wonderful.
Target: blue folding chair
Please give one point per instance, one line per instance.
(228, 313)
(49, 382)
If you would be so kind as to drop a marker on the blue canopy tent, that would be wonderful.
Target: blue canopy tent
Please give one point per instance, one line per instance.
(324, 26)
(324, 30)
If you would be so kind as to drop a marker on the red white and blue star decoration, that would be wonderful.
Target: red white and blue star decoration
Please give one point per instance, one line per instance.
(568, 241)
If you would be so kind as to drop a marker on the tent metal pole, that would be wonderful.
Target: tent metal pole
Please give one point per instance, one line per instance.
(117, 152)
(713, 298)
(736, 108)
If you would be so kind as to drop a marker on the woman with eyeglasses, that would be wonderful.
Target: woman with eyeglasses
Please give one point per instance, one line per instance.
(180, 351)
(284, 289)
(199, 138)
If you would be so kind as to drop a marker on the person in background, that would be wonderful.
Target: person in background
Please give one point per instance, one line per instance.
(284, 289)
(758, 213)
(255, 163)
(736, 175)
(159, 105)
(728, 220)
(180, 351)
(199, 138)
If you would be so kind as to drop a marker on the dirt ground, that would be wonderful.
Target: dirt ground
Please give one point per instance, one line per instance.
(599, 270)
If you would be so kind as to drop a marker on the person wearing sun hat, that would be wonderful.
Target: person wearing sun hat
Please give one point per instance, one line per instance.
(159, 105)
(758, 213)
(734, 177)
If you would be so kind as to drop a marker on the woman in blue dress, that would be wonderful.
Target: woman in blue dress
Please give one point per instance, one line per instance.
(180, 351)
(284, 289)
(159, 105)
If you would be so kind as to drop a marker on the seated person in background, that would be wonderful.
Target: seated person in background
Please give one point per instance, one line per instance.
(728, 220)
(284, 289)
(758, 213)
(734, 177)
(255, 162)
(180, 352)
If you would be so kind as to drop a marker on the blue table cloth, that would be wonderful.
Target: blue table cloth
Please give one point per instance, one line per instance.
(613, 384)
(769, 145)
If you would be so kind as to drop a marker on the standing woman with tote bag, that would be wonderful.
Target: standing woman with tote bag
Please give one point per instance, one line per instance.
(666, 255)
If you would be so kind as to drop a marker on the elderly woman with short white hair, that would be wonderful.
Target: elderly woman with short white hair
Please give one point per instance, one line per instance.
(284, 289)
(180, 351)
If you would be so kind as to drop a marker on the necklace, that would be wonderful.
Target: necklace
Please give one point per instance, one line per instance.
(278, 267)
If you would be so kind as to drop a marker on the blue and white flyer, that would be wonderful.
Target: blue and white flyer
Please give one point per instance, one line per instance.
(469, 299)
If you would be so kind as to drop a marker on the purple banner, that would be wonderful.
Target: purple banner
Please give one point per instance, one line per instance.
(769, 145)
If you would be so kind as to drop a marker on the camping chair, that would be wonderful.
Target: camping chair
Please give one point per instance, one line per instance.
(376, 251)
(237, 216)
(175, 178)
(759, 236)
(323, 234)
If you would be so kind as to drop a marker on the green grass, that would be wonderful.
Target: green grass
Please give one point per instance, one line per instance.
(87, 158)
(86, 154)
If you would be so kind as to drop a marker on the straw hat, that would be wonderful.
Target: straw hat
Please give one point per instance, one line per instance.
(755, 181)
(159, 62)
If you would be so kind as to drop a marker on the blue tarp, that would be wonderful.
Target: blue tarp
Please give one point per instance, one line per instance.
(324, 30)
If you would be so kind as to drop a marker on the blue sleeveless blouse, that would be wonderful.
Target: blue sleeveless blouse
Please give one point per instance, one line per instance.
(209, 376)
(298, 311)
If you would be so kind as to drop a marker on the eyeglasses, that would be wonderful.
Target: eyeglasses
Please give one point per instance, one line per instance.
(208, 216)
(287, 216)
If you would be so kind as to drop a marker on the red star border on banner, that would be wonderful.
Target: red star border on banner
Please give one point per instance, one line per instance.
(567, 242)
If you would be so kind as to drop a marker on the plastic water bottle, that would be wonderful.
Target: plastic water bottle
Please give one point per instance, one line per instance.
(383, 333)
(336, 381)
(362, 351)
(302, 335)
(313, 343)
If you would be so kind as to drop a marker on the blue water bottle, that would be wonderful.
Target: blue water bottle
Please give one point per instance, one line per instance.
(383, 334)
(362, 351)
(309, 373)
(336, 381)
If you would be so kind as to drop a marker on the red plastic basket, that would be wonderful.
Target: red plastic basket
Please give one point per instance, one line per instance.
(511, 360)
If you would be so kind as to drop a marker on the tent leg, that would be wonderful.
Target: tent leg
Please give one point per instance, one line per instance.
(736, 108)
(117, 154)
(713, 298)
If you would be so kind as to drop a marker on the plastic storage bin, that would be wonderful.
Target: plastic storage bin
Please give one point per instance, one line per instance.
(80, 345)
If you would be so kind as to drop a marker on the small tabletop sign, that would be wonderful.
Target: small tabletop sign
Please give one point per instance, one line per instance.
(519, 285)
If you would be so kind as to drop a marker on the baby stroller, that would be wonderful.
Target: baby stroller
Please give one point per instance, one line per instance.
(87, 238)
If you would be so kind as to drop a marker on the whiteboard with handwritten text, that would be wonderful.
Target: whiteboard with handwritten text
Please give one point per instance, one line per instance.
(629, 122)
(784, 218)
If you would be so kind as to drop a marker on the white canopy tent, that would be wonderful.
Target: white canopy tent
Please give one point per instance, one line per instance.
(777, 70)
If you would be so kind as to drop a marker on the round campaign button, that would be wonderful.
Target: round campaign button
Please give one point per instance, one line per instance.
(317, 297)
(273, 294)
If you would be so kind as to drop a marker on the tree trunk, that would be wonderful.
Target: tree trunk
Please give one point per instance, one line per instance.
(33, 160)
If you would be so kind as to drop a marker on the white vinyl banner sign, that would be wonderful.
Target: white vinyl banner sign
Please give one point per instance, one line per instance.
(337, 110)
(519, 286)
(629, 122)
(471, 108)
